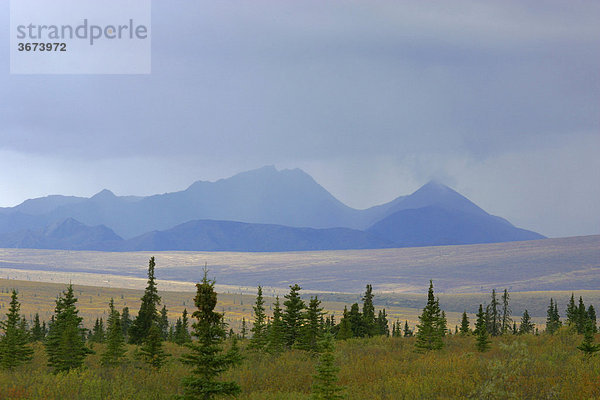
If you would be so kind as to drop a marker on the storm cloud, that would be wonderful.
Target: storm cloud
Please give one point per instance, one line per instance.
(373, 98)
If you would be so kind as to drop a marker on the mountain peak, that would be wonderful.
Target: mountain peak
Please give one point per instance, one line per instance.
(103, 194)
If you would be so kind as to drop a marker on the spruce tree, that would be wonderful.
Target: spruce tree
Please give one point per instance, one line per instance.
(506, 311)
(148, 314)
(407, 331)
(125, 322)
(275, 331)
(206, 356)
(114, 353)
(163, 322)
(37, 332)
(464, 324)
(182, 333)
(368, 327)
(592, 318)
(552, 318)
(588, 347)
(345, 331)
(151, 351)
(526, 325)
(65, 344)
(356, 321)
(429, 335)
(572, 312)
(14, 347)
(382, 323)
(244, 330)
(481, 331)
(581, 320)
(442, 323)
(293, 316)
(312, 331)
(97, 333)
(325, 385)
(494, 327)
(259, 328)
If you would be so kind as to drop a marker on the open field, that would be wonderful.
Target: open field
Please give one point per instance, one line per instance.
(516, 367)
(539, 265)
(93, 302)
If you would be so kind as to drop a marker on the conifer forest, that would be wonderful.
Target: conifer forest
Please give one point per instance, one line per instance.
(297, 350)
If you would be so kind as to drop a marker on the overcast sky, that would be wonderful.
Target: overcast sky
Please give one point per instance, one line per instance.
(498, 99)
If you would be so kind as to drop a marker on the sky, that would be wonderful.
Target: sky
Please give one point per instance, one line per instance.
(498, 99)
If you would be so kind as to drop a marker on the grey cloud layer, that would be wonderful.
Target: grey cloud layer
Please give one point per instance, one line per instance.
(308, 82)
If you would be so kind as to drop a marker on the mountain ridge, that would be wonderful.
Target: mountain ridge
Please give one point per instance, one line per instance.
(264, 196)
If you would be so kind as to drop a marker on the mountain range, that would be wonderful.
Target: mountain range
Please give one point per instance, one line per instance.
(259, 210)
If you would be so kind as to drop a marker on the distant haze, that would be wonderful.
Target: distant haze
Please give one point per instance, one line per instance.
(498, 100)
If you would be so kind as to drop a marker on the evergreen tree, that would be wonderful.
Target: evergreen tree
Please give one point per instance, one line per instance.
(97, 334)
(151, 350)
(14, 347)
(65, 343)
(407, 331)
(526, 325)
(312, 330)
(356, 320)
(481, 331)
(259, 328)
(293, 316)
(368, 327)
(275, 331)
(171, 334)
(37, 332)
(572, 312)
(506, 311)
(345, 331)
(382, 323)
(44, 330)
(494, 320)
(125, 322)
(552, 318)
(206, 356)
(429, 335)
(182, 333)
(581, 318)
(442, 323)
(148, 313)
(588, 347)
(464, 324)
(325, 381)
(115, 341)
(592, 318)
(244, 330)
(163, 322)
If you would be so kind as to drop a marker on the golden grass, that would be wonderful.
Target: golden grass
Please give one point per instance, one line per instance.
(528, 367)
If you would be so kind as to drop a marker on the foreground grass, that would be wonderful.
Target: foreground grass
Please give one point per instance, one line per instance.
(529, 367)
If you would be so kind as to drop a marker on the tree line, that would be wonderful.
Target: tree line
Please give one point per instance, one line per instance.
(295, 324)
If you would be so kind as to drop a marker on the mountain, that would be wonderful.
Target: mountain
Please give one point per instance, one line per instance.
(65, 235)
(268, 196)
(437, 215)
(436, 226)
(208, 235)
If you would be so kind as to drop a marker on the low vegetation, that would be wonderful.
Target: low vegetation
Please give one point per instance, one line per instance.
(297, 351)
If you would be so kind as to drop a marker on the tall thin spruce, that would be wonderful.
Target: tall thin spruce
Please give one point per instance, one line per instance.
(259, 328)
(429, 333)
(206, 356)
(148, 314)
